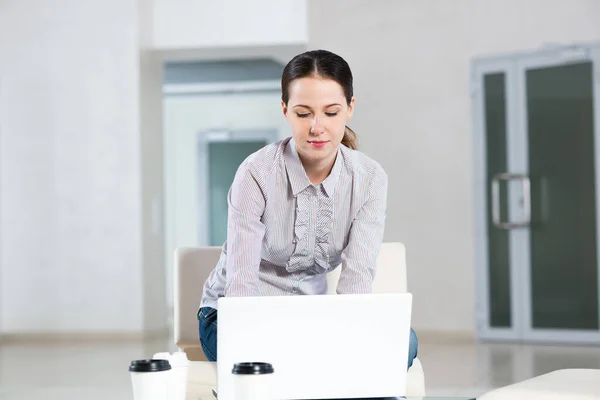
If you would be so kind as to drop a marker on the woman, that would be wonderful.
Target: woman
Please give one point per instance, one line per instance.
(302, 206)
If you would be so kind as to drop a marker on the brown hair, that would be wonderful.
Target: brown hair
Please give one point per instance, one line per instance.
(324, 64)
(349, 139)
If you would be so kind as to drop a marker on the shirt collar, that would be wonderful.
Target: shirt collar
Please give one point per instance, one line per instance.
(297, 174)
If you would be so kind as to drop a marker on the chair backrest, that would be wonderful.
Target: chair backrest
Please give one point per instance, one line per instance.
(193, 265)
(390, 276)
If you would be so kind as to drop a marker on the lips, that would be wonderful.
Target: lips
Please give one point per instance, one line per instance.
(318, 143)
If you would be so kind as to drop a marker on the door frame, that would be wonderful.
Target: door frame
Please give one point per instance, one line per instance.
(204, 139)
(479, 69)
(514, 66)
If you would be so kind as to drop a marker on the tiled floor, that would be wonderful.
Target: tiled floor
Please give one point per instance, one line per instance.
(94, 371)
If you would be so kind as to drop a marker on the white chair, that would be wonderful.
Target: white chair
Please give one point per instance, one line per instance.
(192, 267)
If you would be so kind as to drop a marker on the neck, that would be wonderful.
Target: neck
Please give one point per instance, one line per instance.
(318, 170)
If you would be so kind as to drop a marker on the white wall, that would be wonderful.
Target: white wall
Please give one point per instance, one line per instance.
(185, 118)
(228, 23)
(81, 179)
(70, 185)
(411, 61)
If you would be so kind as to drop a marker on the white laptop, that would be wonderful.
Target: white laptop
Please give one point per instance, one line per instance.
(321, 347)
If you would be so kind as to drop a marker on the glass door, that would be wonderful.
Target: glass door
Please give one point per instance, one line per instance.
(220, 153)
(536, 135)
(224, 158)
(498, 297)
(558, 121)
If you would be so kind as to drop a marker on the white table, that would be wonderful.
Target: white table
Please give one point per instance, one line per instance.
(564, 384)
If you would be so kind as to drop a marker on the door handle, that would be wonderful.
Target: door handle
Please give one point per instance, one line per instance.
(526, 185)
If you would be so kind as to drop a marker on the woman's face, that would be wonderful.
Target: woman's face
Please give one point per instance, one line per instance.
(317, 111)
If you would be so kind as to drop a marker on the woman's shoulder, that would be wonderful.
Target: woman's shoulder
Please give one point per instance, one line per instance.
(265, 159)
(358, 163)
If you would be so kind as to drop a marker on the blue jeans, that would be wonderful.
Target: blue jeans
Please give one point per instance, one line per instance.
(207, 321)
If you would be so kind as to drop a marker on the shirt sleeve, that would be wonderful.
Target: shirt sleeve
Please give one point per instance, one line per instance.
(366, 234)
(245, 233)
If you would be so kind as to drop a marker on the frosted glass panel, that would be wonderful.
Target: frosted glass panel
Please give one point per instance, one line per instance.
(498, 245)
(564, 280)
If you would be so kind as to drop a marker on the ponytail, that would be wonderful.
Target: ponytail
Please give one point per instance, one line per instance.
(349, 139)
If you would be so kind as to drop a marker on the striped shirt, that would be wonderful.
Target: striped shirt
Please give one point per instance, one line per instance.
(285, 233)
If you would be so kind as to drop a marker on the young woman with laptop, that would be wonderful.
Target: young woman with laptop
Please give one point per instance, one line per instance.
(304, 205)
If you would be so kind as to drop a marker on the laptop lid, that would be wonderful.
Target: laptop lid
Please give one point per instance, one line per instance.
(321, 347)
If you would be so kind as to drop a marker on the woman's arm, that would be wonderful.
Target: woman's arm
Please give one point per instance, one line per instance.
(245, 233)
(365, 237)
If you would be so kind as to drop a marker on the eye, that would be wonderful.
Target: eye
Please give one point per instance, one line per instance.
(302, 115)
(329, 114)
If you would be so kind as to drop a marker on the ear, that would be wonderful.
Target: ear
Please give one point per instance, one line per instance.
(284, 109)
(350, 109)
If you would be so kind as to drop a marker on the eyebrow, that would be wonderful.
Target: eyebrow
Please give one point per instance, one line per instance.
(327, 106)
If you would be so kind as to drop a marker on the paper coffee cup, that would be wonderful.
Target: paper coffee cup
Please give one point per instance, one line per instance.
(253, 381)
(180, 366)
(179, 373)
(150, 379)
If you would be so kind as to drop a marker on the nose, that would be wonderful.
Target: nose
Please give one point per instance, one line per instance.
(316, 127)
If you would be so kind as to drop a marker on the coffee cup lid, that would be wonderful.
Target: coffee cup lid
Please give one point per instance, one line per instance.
(162, 356)
(252, 368)
(149, 366)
